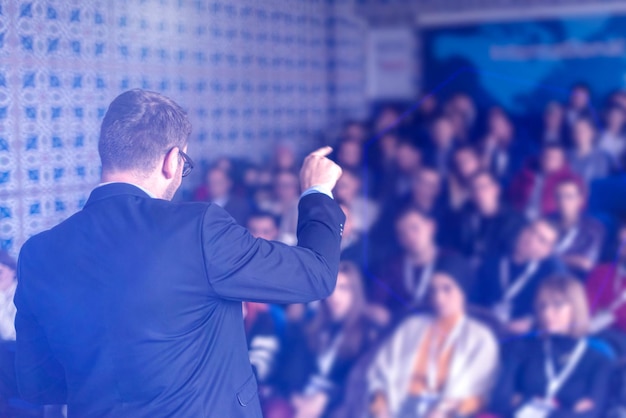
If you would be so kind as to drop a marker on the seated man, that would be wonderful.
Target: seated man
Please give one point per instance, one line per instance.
(507, 281)
(580, 236)
(403, 281)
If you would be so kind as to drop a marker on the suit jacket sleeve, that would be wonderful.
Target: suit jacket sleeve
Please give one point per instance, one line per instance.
(40, 377)
(241, 267)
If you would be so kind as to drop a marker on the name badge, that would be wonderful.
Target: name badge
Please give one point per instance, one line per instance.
(426, 403)
(536, 408)
(502, 311)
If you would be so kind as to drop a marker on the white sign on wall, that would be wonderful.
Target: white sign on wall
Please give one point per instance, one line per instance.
(391, 68)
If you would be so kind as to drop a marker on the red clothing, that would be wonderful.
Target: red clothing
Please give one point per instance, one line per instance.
(521, 189)
(601, 292)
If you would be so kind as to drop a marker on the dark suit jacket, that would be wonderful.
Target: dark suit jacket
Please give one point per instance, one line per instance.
(132, 307)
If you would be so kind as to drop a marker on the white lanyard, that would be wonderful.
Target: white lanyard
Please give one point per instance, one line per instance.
(326, 359)
(511, 289)
(409, 279)
(554, 381)
(567, 241)
(434, 354)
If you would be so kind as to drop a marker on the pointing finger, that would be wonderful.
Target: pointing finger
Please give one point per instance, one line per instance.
(322, 152)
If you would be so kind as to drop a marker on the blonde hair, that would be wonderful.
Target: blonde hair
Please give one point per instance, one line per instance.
(574, 293)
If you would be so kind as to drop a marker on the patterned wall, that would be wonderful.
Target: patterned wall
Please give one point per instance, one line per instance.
(248, 72)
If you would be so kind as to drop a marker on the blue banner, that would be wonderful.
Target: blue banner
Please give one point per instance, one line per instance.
(523, 64)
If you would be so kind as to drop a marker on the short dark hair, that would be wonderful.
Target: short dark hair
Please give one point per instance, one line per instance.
(138, 128)
(412, 210)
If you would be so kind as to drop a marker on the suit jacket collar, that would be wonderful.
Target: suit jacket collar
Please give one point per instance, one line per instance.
(115, 189)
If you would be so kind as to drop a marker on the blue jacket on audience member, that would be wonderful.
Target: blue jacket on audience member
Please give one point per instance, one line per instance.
(132, 307)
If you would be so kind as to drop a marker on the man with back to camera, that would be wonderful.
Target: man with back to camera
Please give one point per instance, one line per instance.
(132, 306)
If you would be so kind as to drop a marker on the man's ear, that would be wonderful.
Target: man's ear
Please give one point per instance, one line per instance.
(171, 163)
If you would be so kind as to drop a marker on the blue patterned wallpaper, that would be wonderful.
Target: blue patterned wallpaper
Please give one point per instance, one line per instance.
(248, 72)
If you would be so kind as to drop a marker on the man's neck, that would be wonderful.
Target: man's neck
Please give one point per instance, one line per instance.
(490, 210)
(143, 184)
(423, 256)
(569, 221)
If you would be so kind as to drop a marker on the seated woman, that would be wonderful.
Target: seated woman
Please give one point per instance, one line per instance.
(319, 358)
(558, 372)
(435, 365)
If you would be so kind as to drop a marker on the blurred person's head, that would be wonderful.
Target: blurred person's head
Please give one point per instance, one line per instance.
(388, 117)
(583, 133)
(355, 130)
(428, 105)
(619, 99)
(459, 125)
(224, 163)
(284, 157)
(615, 119)
(219, 183)
(388, 146)
(580, 97)
(536, 241)
(408, 157)
(562, 307)
(425, 187)
(348, 296)
(463, 103)
(8, 268)
(485, 192)
(143, 140)
(466, 162)
(263, 225)
(448, 290)
(570, 198)
(251, 177)
(415, 231)
(348, 187)
(553, 116)
(552, 159)
(350, 154)
(442, 132)
(286, 187)
(500, 125)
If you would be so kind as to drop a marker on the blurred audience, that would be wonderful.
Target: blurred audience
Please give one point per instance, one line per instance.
(464, 227)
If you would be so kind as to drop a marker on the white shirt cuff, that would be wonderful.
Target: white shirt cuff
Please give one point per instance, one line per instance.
(317, 189)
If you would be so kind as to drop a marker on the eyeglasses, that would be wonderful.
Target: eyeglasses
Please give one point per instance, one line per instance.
(187, 163)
